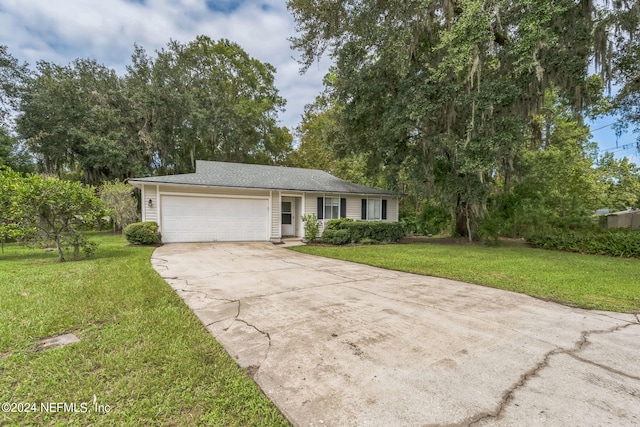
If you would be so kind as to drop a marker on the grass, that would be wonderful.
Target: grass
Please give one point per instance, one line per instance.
(142, 351)
(587, 281)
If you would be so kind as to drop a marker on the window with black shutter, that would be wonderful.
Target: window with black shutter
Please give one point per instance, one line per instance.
(320, 207)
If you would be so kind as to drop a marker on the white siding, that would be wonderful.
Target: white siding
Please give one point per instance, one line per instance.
(298, 214)
(276, 229)
(150, 213)
(353, 207)
(310, 204)
(392, 209)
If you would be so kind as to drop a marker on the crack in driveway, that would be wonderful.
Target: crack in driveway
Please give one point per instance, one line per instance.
(238, 319)
(266, 334)
(469, 316)
(524, 379)
(606, 368)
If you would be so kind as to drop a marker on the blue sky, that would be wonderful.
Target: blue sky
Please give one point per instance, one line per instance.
(106, 30)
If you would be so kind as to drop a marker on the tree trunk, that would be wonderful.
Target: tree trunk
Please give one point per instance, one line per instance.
(463, 221)
(461, 228)
(76, 252)
(60, 253)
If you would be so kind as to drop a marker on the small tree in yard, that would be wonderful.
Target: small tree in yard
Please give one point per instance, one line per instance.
(8, 179)
(118, 198)
(311, 227)
(52, 211)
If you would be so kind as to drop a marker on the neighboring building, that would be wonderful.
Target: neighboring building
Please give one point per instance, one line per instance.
(624, 219)
(243, 202)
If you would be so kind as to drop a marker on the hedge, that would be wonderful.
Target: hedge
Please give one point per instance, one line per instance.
(336, 237)
(359, 231)
(617, 242)
(143, 233)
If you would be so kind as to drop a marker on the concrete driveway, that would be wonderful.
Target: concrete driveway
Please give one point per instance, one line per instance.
(334, 343)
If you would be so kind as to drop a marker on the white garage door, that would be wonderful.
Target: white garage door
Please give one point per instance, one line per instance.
(211, 219)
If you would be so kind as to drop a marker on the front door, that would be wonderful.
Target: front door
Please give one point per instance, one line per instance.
(288, 220)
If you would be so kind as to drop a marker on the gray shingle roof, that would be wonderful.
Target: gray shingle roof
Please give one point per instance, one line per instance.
(240, 175)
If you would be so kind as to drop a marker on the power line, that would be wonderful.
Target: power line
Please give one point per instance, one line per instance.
(625, 147)
(602, 127)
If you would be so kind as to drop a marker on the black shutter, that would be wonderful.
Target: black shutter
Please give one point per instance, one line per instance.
(343, 208)
(320, 208)
(384, 209)
(364, 209)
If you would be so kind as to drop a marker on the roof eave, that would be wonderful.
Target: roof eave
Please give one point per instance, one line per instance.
(138, 182)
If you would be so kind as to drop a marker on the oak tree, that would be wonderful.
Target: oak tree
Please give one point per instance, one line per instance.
(444, 91)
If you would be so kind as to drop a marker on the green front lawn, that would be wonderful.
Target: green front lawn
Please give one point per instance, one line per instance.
(143, 354)
(588, 281)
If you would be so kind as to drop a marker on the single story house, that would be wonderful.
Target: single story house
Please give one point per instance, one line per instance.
(242, 202)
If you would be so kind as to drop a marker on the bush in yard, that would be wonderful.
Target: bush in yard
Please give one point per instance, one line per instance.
(90, 249)
(335, 237)
(409, 224)
(376, 231)
(339, 224)
(143, 233)
(618, 242)
(311, 227)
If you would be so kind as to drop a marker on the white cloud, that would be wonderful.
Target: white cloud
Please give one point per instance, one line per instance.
(61, 31)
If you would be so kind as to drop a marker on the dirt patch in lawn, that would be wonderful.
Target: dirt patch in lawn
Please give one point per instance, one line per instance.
(57, 341)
